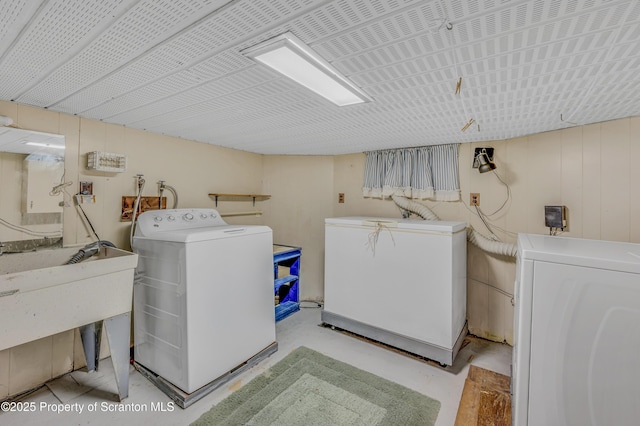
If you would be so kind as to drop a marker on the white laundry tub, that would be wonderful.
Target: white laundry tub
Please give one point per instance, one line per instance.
(41, 296)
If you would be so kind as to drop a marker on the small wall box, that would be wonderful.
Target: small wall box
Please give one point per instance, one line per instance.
(555, 217)
(106, 162)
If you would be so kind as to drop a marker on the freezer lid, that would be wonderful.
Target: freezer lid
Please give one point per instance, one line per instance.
(407, 224)
(600, 254)
(192, 235)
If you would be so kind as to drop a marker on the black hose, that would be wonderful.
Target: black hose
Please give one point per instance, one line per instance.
(88, 251)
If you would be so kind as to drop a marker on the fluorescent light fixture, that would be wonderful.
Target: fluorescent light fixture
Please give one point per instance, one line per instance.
(288, 55)
(44, 145)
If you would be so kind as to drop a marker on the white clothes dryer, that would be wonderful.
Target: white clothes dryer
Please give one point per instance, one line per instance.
(577, 308)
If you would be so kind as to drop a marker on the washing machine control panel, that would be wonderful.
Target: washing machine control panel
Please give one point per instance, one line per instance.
(173, 219)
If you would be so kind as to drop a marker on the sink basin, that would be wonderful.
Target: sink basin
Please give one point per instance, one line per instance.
(41, 296)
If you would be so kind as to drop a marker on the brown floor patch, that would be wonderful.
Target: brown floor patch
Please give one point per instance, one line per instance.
(485, 399)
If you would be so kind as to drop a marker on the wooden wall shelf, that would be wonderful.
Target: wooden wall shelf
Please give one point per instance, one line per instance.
(253, 196)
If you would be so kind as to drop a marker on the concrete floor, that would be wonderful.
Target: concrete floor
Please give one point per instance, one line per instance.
(82, 391)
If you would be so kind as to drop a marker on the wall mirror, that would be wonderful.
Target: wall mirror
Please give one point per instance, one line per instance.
(31, 189)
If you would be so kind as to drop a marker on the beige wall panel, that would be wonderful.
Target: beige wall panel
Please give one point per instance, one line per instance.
(544, 177)
(634, 179)
(92, 137)
(465, 156)
(107, 188)
(501, 271)
(497, 325)
(477, 264)
(515, 176)
(9, 109)
(495, 192)
(478, 308)
(615, 182)
(591, 182)
(301, 191)
(38, 119)
(348, 178)
(571, 154)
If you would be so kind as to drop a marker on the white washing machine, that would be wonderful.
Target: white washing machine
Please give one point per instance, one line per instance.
(575, 359)
(203, 297)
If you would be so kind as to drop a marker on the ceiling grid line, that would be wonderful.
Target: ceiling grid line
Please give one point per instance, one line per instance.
(22, 31)
(597, 76)
(159, 43)
(242, 40)
(61, 61)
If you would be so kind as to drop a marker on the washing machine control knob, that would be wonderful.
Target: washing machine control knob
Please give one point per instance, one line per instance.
(213, 215)
(203, 216)
(187, 216)
(157, 219)
(171, 218)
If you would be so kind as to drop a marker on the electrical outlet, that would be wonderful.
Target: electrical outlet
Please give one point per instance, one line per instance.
(341, 197)
(474, 199)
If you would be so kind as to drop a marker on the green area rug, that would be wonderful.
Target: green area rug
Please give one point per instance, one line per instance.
(310, 389)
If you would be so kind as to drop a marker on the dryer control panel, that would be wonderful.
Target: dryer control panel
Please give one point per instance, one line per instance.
(169, 220)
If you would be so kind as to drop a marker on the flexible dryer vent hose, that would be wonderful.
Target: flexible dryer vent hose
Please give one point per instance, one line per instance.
(476, 238)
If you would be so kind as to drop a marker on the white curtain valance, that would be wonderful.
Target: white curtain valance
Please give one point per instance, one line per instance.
(429, 172)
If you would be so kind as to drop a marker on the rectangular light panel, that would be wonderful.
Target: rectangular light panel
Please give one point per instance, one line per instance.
(292, 58)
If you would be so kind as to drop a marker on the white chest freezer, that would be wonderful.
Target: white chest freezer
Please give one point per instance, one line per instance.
(577, 333)
(398, 281)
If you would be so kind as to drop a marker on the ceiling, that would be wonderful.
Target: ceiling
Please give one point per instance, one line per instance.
(174, 67)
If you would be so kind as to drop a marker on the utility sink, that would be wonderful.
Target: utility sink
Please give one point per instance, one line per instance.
(41, 296)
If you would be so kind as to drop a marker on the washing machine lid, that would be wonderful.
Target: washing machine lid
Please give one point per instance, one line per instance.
(192, 235)
(405, 224)
(612, 255)
(189, 225)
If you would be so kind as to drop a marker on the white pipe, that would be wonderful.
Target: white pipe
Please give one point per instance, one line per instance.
(175, 195)
(491, 246)
(140, 182)
(414, 207)
(477, 239)
(161, 187)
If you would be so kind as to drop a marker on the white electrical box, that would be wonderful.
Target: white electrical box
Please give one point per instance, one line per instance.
(106, 162)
